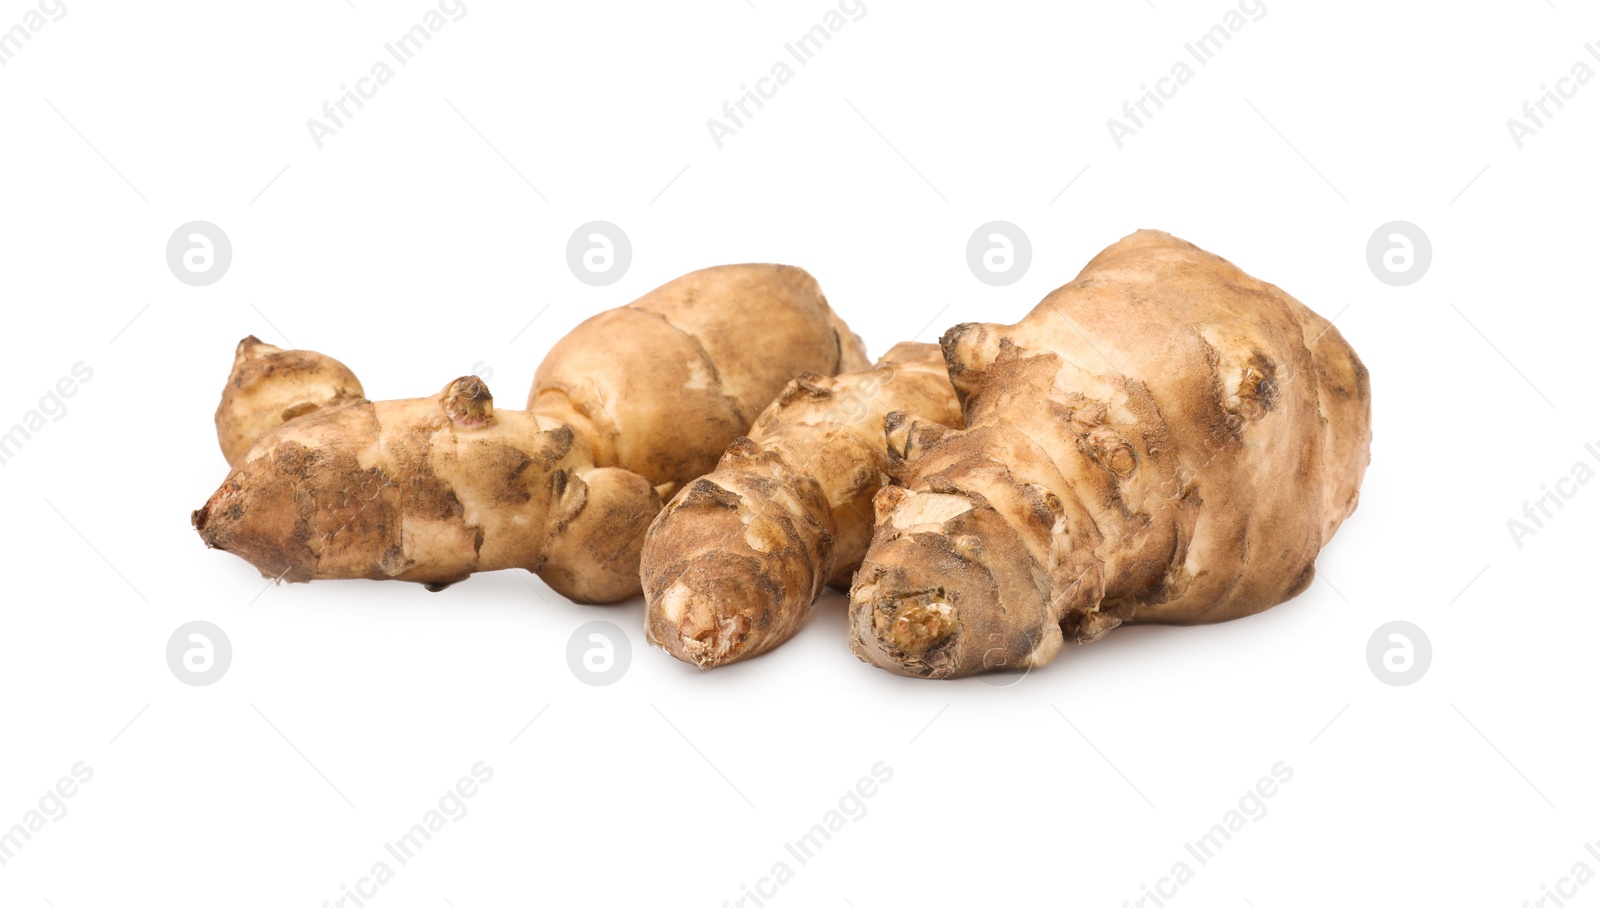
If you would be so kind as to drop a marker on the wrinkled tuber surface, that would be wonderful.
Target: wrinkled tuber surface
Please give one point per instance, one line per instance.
(733, 564)
(633, 402)
(1165, 439)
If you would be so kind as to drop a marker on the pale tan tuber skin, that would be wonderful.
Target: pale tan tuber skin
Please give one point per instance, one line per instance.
(270, 386)
(662, 385)
(732, 566)
(433, 489)
(1164, 440)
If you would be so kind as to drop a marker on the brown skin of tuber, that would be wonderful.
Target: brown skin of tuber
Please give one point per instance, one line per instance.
(662, 385)
(1164, 440)
(427, 490)
(732, 566)
(270, 386)
(433, 489)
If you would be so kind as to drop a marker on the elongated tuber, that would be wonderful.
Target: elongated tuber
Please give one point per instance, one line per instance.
(433, 489)
(1164, 440)
(733, 564)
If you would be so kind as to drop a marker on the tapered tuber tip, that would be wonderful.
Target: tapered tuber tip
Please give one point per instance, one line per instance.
(256, 521)
(705, 634)
(269, 386)
(887, 499)
(730, 569)
(253, 347)
(708, 615)
(953, 334)
(956, 339)
(897, 432)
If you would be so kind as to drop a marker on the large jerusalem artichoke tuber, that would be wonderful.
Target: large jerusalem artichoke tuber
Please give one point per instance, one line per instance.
(1164, 440)
(632, 403)
(733, 564)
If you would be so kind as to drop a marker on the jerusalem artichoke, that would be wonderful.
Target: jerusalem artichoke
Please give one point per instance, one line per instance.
(433, 489)
(1164, 440)
(733, 564)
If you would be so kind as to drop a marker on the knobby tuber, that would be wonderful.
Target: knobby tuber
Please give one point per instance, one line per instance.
(270, 386)
(630, 405)
(1164, 440)
(733, 564)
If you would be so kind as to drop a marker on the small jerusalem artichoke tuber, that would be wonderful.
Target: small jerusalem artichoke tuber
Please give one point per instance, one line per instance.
(733, 564)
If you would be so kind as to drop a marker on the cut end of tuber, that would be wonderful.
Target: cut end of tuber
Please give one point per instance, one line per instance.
(918, 627)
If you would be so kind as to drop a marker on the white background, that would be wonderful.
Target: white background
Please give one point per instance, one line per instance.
(411, 249)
